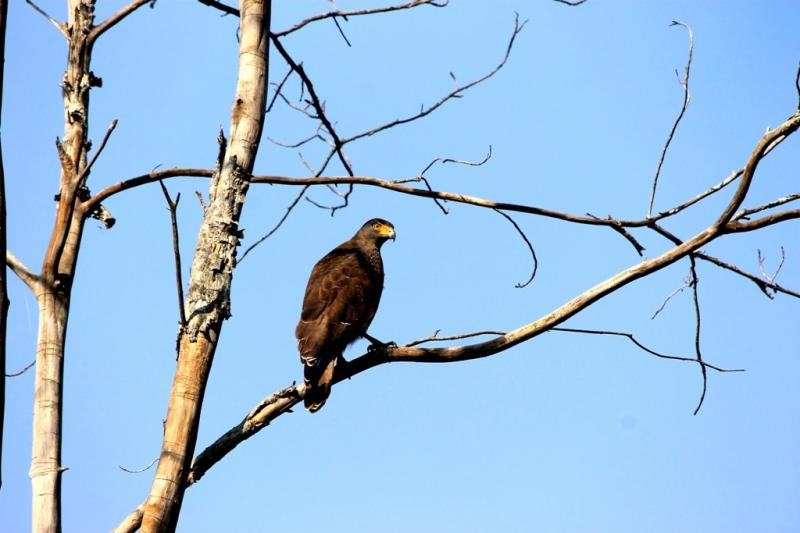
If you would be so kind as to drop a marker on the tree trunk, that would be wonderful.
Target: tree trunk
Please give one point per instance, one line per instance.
(3, 285)
(208, 300)
(55, 282)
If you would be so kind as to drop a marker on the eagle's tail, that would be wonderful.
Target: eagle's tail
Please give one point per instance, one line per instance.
(318, 379)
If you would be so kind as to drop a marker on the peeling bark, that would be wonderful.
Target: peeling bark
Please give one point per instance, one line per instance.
(208, 298)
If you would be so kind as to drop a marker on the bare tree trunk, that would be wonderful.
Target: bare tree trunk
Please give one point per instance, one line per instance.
(55, 283)
(3, 245)
(208, 300)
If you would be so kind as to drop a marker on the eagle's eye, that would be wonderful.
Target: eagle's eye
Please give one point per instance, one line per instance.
(376, 225)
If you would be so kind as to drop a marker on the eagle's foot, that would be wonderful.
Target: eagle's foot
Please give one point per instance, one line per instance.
(376, 345)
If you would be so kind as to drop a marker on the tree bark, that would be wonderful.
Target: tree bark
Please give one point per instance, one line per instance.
(208, 299)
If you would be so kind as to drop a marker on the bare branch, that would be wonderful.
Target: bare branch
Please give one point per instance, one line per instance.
(436, 338)
(17, 374)
(763, 285)
(445, 160)
(737, 227)
(88, 168)
(60, 26)
(278, 89)
(226, 9)
(341, 31)
(358, 12)
(176, 249)
(116, 18)
(617, 226)
(138, 471)
(697, 314)
(23, 272)
(570, 2)
(767, 277)
(455, 93)
(150, 177)
(671, 295)
(316, 102)
(635, 341)
(745, 213)
(686, 97)
(275, 228)
(530, 248)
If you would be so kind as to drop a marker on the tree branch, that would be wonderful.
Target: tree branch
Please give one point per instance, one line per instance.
(176, 249)
(358, 12)
(23, 272)
(686, 97)
(116, 18)
(60, 26)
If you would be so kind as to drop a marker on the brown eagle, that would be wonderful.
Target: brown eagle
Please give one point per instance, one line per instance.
(341, 299)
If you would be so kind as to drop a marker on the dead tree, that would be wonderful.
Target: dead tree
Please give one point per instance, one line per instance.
(207, 304)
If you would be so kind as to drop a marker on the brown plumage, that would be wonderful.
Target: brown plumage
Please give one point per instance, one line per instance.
(341, 299)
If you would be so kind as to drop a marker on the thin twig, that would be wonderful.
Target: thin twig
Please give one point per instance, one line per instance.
(436, 338)
(278, 89)
(455, 93)
(16, 374)
(139, 471)
(760, 283)
(60, 26)
(355, 13)
(619, 228)
(635, 341)
(698, 352)
(275, 228)
(88, 168)
(671, 295)
(445, 160)
(341, 31)
(571, 2)
(686, 97)
(530, 248)
(176, 248)
(745, 213)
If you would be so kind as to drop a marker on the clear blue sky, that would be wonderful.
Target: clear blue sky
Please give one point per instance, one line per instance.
(562, 433)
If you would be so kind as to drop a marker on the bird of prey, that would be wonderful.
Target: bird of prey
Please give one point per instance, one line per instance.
(341, 299)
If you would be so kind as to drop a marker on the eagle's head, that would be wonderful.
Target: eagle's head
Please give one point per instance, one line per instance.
(377, 230)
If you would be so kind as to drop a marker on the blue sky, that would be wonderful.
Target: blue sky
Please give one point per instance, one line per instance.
(562, 433)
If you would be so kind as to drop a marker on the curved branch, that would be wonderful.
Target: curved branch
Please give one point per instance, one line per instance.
(359, 12)
(686, 97)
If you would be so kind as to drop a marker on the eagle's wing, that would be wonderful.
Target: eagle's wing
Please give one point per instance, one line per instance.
(340, 301)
